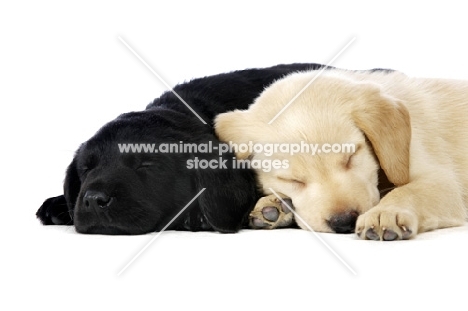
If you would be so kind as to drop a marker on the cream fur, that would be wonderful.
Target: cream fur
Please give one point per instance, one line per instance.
(417, 128)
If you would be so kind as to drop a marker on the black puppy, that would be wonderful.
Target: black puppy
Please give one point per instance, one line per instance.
(107, 191)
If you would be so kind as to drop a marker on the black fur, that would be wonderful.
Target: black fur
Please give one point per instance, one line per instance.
(108, 192)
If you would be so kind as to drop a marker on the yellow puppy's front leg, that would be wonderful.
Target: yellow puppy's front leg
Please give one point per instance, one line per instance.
(421, 205)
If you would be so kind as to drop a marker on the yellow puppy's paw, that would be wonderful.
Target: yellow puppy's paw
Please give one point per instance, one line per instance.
(387, 224)
(271, 213)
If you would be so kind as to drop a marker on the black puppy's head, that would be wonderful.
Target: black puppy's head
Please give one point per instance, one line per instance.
(110, 190)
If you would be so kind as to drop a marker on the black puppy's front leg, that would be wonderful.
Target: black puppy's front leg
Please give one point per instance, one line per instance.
(54, 211)
(231, 191)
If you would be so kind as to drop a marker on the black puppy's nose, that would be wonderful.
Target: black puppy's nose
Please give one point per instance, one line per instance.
(343, 222)
(96, 199)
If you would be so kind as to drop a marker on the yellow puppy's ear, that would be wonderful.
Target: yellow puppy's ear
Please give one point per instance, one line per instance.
(235, 127)
(386, 123)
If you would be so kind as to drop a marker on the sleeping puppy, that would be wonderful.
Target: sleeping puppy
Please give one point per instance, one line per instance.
(110, 191)
(413, 129)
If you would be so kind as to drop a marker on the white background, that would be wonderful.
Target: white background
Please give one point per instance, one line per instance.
(64, 73)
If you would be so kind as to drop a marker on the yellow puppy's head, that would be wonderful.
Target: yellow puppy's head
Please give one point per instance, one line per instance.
(350, 127)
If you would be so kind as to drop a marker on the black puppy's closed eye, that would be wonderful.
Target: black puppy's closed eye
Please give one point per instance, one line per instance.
(88, 165)
(145, 165)
(84, 169)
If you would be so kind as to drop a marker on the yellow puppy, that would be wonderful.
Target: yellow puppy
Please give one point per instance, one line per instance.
(414, 129)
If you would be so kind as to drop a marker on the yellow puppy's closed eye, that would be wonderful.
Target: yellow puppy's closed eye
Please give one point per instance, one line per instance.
(348, 161)
(348, 158)
(294, 181)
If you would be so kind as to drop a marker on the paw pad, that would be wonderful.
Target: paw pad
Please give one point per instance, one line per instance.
(387, 224)
(389, 235)
(270, 213)
(372, 235)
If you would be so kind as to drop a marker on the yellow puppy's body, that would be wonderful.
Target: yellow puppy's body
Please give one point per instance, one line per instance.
(415, 129)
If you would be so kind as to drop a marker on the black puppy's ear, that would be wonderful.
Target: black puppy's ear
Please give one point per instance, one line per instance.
(71, 186)
(229, 196)
(59, 210)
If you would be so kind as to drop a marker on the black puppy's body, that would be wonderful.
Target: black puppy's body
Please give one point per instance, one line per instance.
(111, 192)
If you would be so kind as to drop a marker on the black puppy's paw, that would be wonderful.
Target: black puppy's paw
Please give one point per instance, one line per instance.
(54, 211)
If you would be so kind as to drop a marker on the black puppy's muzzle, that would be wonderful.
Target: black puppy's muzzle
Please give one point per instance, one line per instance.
(97, 200)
